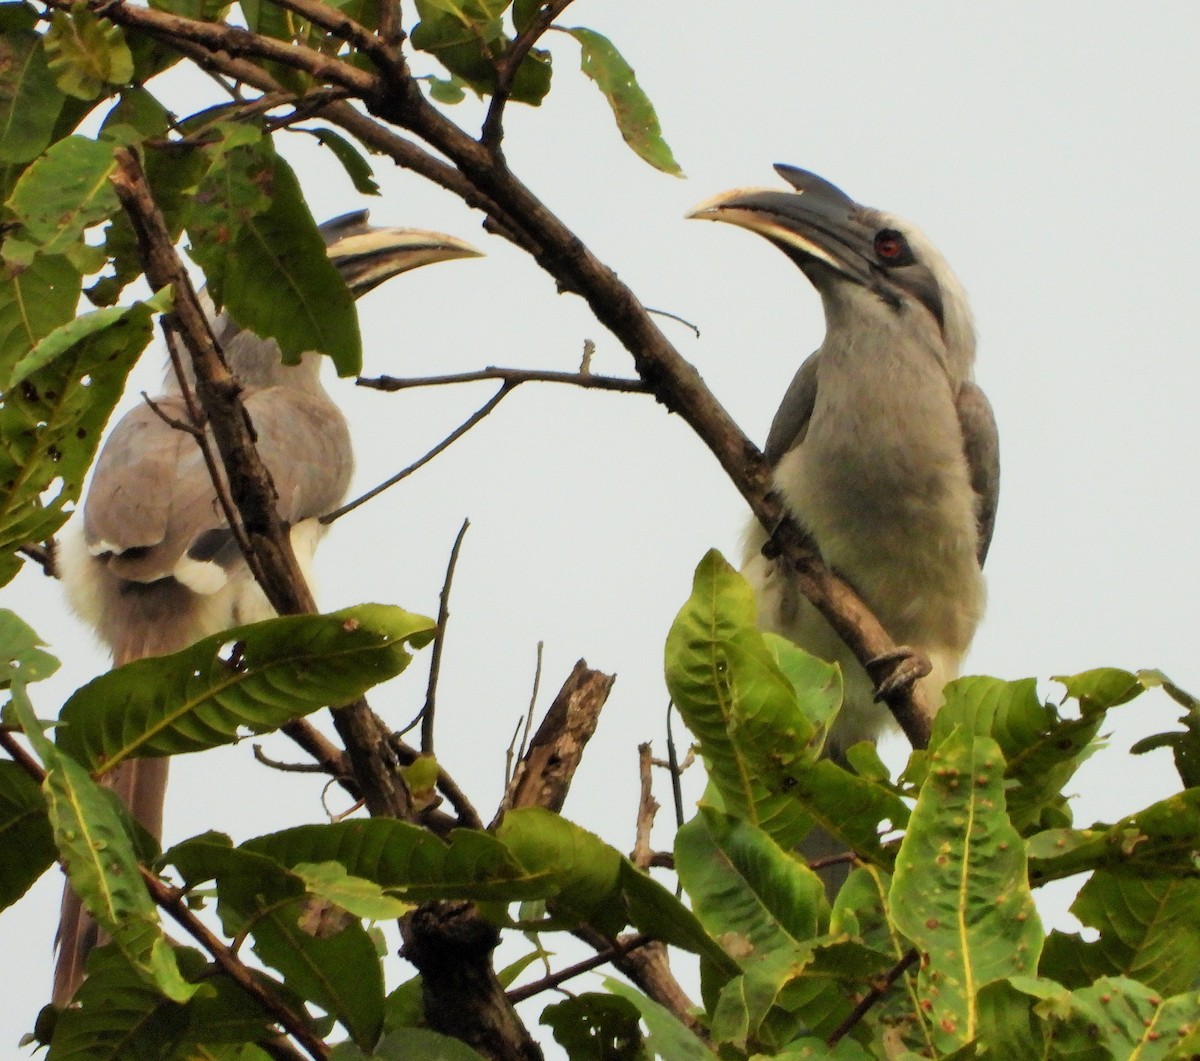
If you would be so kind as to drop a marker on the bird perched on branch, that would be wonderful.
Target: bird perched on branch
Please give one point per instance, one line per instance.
(884, 449)
(155, 567)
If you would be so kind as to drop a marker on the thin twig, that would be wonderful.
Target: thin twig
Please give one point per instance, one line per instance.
(513, 376)
(675, 317)
(286, 768)
(171, 421)
(448, 441)
(547, 983)
(877, 991)
(435, 662)
(507, 66)
(533, 695)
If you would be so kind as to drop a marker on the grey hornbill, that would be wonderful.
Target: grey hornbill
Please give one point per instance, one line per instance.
(154, 566)
(884, 449)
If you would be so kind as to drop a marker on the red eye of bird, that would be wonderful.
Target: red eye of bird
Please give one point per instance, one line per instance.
(889, 245)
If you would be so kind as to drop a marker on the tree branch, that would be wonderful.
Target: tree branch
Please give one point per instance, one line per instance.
(435, 663)
(514, 376)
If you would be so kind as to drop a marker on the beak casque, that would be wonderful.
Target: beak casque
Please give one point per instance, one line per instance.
(366, 256)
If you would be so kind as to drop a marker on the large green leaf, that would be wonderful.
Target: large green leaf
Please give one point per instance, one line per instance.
(98, 854)
(254, 677)
(34, 300)
(51, 423)
(328, 958)
(26, 841)
(265, 259)
(760, 715)
(631, 107)
(1149, 930)
(29, 101)
(411, 862)
(960, 890)
(719, 671)
(64, 192)
(21, 651)
(746, 890)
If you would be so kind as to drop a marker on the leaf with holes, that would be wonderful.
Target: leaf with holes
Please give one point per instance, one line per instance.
(631, 107)
(251, 678)
(64, 192)
(87, 54)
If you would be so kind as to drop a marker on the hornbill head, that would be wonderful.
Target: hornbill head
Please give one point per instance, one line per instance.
(843, 247)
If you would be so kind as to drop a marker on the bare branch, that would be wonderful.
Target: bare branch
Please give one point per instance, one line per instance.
(512, 376)
(286, 768)
(546, 770)
(343, 27)
(446, 443)
(435, 663)
(642, 855)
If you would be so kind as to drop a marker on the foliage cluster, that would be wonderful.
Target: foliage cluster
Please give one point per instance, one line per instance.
(932, 948)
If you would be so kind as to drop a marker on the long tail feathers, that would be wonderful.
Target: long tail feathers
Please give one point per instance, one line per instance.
(142, 786)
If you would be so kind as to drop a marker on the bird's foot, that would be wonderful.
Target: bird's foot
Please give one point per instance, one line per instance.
(897, 671)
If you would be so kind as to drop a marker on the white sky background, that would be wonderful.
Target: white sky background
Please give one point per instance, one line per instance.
(1049, 151)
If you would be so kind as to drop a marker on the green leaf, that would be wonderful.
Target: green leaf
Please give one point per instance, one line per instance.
(329, 960)
(409, 861)
(1149, 930)
(758, 733)
(1113, 1018)
(597, 1027)
(87, 53)
(446, 90)
(1103, 687)
(467, 36)
(26, 841)
(586, 870)
(747, 891)
(719, 671)
(357, 168)
(21, 651)
(1041, 748)
(268, 266)
(255, 677)
(358, 896)
(99, 858)
(1185, 743)
(29, 101)
(51, 424)
(960, 890)
(631, 107)
(1161, 839)
(64, 192)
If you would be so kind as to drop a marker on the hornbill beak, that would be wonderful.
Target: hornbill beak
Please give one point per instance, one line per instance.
(366, 256)
(818, 222)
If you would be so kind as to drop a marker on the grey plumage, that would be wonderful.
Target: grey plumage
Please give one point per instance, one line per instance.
(152, 564)
(884, 448)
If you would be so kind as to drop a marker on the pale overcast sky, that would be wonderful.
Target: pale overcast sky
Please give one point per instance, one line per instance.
(1051, 153)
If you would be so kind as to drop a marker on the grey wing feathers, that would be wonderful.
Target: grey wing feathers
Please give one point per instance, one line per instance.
(791, 419)
(981, 445)
(152, 500)
(149, 487)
